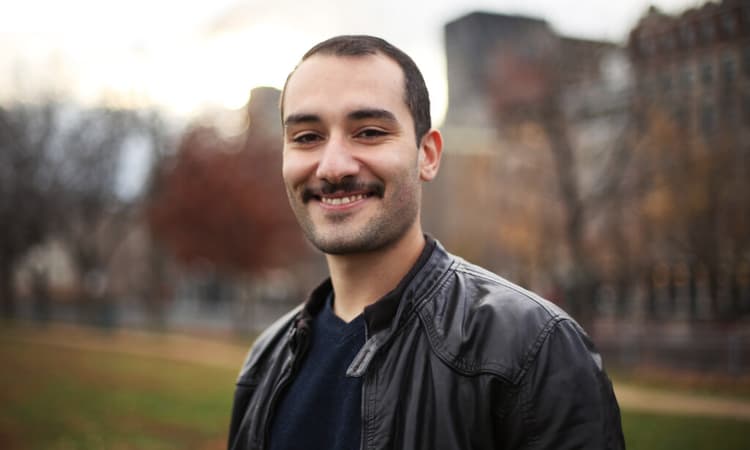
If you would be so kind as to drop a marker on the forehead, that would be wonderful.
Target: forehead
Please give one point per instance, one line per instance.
(328, 84)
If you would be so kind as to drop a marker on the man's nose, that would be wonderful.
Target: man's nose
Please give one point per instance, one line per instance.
(336, 161)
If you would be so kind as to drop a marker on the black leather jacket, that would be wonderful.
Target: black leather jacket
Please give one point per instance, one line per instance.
(456, 358)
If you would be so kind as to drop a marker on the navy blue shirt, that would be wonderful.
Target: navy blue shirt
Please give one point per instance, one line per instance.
(321, 408)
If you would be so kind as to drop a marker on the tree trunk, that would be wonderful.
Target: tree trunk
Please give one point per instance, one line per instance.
(713, 291)
(41, 296)
(735, 303)
(7, 291)
(157, 291)
(693, 279)
(622, 293)
(583, 280)
(651, 295)
(672, 292)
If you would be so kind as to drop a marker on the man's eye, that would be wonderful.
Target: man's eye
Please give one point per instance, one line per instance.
(306, 138)
(371, 133)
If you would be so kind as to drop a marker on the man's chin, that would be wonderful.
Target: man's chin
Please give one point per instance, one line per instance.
(339, 245)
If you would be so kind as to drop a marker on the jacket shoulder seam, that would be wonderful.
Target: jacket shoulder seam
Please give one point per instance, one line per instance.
(470, 270)
(452, 361)
(458, 364)
(510, 374)
(533, 352)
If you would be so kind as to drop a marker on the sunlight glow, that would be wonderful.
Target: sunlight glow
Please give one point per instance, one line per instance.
(237, 61)
(217, 70)
(184, 73)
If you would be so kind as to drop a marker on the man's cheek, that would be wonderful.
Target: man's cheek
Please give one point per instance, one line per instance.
(296, 168)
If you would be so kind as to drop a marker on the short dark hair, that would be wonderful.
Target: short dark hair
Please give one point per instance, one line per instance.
(416, 97)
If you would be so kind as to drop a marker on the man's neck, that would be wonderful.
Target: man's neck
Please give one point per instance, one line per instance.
(359, 280)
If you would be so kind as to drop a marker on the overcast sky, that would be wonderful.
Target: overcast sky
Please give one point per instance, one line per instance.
(187, 54)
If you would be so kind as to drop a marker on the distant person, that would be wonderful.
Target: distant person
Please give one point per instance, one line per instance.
(406, 346)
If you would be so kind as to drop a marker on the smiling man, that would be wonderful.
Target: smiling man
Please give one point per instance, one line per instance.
(405, 346)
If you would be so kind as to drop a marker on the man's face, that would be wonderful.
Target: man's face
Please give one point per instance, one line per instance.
(351, 165)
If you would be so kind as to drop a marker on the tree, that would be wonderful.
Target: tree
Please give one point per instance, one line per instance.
(91, 219)
(221, 201)
(529, 91)
(59, 165)
(26, 185)
(694, 209)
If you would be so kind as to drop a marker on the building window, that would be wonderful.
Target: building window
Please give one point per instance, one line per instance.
(686, 78)
(687, 34)
(647, 85)
(707, 74)
(646, 44)
(727, 70)
(728, 23)
(708, 119)
(729, 112)
(681, 117)
(666, 83)
(708, 31)
(669, 42)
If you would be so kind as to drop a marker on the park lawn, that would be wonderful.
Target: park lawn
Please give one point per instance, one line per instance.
(711, 385)
(649, 431)
(66, 398)
(59, 398)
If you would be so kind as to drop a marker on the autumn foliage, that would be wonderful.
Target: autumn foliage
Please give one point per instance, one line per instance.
(221, 202)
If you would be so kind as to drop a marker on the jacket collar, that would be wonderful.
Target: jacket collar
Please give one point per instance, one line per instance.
(431, 264)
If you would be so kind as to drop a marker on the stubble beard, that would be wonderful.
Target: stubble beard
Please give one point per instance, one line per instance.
(383, 230)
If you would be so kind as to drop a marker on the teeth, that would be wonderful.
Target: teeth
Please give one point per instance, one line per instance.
(342, 200)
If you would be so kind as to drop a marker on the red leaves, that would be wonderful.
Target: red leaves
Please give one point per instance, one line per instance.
(222, 202)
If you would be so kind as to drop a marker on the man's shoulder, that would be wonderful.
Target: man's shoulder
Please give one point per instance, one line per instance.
(506, 297)
(481, 322)
(267, 340)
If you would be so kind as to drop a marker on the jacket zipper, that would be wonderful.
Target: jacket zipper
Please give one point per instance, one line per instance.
(366, 375)
(363, 406)
(363, 409)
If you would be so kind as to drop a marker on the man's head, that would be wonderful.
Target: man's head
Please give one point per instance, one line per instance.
(352, 172)
(416, 96)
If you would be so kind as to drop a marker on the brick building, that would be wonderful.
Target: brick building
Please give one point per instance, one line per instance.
(696, 66)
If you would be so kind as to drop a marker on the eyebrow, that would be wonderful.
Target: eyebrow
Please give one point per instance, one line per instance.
(294, 119)
(371, 113)
(360, 114)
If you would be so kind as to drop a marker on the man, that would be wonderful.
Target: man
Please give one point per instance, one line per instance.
(405, 346)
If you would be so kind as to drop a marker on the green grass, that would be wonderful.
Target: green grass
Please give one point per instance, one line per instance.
(59, 398)
(55, 398)
(714, 385)
(646, 431)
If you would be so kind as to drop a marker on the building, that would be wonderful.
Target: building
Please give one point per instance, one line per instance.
(506, 76)
(692, 106)
(610, 178)
(696, 66)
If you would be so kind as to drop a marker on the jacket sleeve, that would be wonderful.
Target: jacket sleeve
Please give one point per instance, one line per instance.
(565, 399)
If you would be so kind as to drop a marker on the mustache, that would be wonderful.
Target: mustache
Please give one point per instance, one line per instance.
(344, 186)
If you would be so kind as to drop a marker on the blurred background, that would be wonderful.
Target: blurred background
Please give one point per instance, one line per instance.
(596, 152)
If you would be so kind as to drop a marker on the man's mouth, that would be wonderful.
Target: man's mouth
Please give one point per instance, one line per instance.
(339, 201)
(343, 193)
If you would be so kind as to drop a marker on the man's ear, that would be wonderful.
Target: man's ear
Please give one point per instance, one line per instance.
(430, 151)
